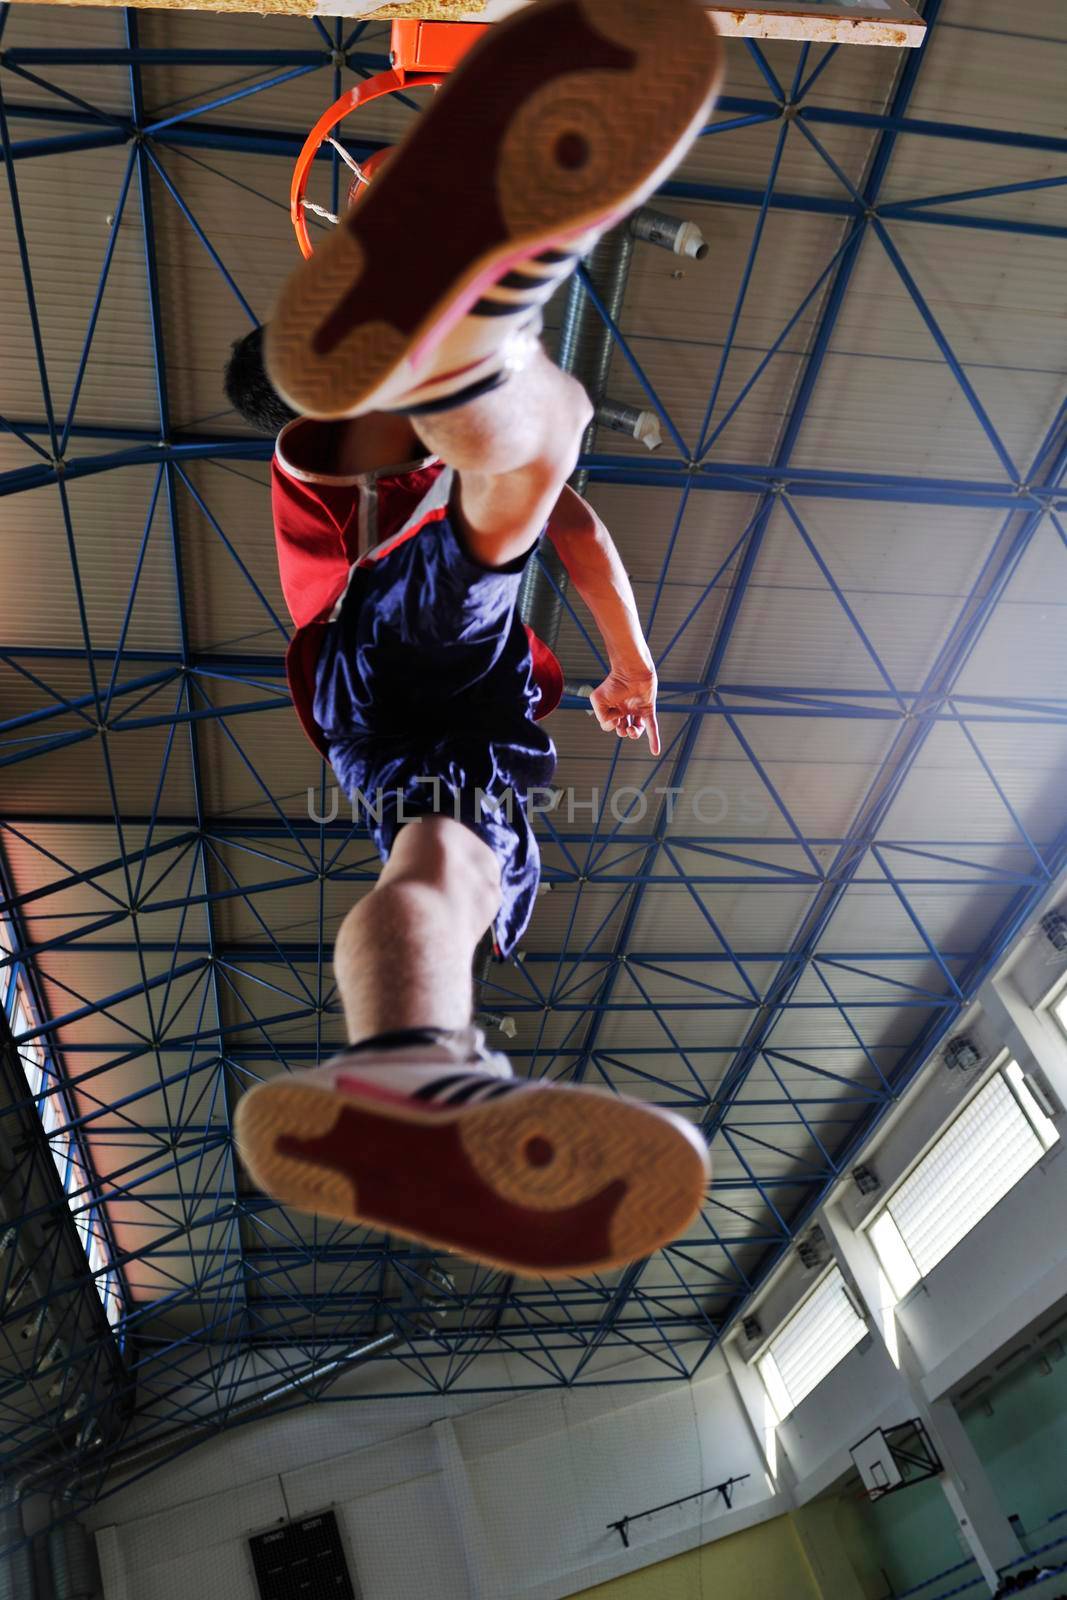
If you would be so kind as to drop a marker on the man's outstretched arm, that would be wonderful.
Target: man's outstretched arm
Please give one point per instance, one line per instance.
(626, 700)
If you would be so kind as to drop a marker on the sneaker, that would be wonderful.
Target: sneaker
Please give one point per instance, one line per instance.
(560, 120)
(439, 1142)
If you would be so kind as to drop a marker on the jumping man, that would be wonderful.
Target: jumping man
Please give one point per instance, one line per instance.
(425, 445)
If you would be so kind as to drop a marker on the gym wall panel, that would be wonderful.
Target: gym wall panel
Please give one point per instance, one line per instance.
(1020, 1432)
(467, 1498)
(914, 1535)
(764, 1563)
(1019, 1428)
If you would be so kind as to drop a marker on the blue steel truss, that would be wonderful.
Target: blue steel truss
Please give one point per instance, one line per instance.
(263, 1299)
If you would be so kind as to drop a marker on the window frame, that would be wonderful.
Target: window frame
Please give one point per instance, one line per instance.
(9, 967)
(46, 1088)
(766, 1348)
(998, 1069)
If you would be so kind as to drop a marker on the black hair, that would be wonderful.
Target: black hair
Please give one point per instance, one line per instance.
(250, 391)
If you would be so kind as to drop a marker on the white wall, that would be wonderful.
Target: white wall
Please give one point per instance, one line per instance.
(476, 1498)
(585, 1460)
(864, 1392)
(1006, 1277)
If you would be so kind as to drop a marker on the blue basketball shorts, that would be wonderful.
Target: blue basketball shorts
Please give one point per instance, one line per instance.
(425, 695)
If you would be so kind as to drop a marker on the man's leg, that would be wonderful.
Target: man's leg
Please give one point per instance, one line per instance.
(432, 1138)
(404, 954)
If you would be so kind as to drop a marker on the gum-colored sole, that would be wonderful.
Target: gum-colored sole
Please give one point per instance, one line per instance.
(561, 120)
(548, 1181)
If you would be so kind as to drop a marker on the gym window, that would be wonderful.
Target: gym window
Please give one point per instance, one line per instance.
(53, 1109)
(1059, 1009)
(993, 1143)
(818, 1335)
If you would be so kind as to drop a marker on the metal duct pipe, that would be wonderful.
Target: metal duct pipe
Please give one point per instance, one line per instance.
(243, 1410)
(42, 1567)
(670, 233)
(16, 1555)
(585, 351)
(71, 1548)
(254, 1406)
(75, 1570)
(585, 342)
(633, 422)
(25, 1566)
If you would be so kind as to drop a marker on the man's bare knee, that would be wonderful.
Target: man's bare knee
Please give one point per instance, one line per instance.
(452, 860)
(470, 873)
(579, 406)
(536, 411)
(566, 425)
(504, 514)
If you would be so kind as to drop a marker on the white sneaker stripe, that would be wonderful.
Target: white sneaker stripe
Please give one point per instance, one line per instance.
(463, 1089)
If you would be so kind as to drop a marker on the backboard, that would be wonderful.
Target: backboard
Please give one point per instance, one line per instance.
(894, 1458)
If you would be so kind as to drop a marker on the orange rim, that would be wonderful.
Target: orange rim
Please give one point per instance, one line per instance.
(361, 95)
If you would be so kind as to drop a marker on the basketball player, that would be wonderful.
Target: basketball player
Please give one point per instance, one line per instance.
(428, 452)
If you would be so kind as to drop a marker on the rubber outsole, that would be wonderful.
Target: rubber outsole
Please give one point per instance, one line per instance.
(548, 1181)
(560, 121)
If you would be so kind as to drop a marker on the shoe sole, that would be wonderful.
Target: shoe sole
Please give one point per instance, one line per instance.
(487, 179)
(546, 1182)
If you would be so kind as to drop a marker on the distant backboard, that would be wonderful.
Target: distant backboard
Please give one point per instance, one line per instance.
(884, 22)
(894, 1458)
(888, 22)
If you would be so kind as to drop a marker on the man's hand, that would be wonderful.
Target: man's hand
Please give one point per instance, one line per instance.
(626, 702)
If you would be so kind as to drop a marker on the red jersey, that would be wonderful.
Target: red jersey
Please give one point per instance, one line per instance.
(325, 526)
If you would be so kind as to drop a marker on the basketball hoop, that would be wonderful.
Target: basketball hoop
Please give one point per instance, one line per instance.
(421, 55)
(890, 1459)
